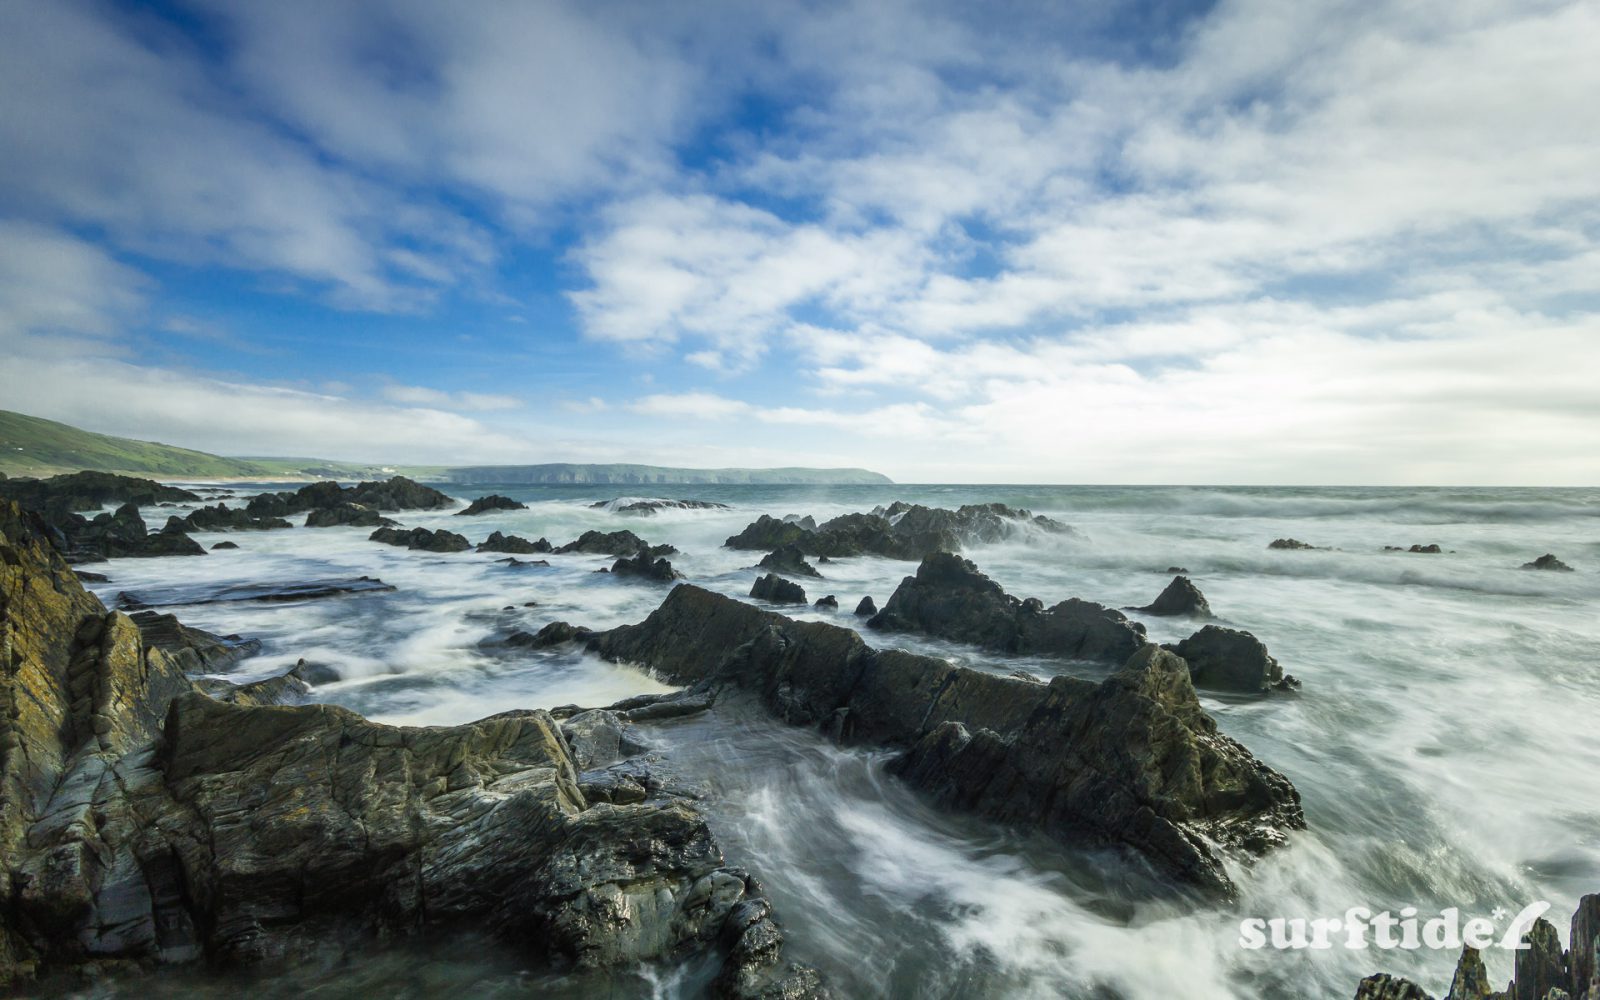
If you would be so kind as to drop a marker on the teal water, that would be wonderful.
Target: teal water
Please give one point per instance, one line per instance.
(1444, 742)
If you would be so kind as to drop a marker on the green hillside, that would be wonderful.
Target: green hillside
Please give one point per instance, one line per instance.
(644, 475)
(30, 446)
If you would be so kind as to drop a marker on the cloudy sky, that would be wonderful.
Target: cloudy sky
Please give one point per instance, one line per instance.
(1251, 242)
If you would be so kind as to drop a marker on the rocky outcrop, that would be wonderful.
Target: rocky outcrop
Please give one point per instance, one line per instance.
(304, 591)
(631, 505)
(224, 546)
(78, 491)
(121, 535)
(145, 822)
(1132, 761)
(643, 566)
(828, 603)
(1227, 659)
(1549, 562)
(1542, 970)
(397, 493)
(614, 543)
(1293, 543)
(421, 538)
(194, 650)
(899, 531)
(951, 599)
(348, 515)
(493, 501)
(513, 544)
(866, 608)
(224, 518)
(776, 590)
(789, 561)
(1181, 597)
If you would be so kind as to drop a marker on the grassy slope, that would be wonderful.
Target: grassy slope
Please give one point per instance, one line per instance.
(30, 446)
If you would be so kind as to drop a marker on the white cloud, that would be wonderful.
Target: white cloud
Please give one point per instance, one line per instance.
(417, 395)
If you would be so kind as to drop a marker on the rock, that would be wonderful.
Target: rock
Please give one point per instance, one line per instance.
(512, 562)
(224, 545)
(1386, 987)
(493, 501)
(306, 591)
(642, 567)
(285, 689)
(1181, 597)
(1177, 569)
(514, 544)
(788, 560)
(553, 634)
(422, 538)
(119, 535)
(314, 673)
(253, 835)
(348, 515)
(1585, 942)
(194, 650)
(88, 577)
(829, 603)
(1132, 761)
(223, 518)
(599, 738)
(899, 531)
(1550, 562)
(1542, 966)
(1292, 543)
(631, 505)
(1226, 659)
(805, 521)
(1471, 980)
(614, 543)
(776, 590)
(78, 491)
(950, 599)
(1426, 549)
(397, 493)
(866, 608)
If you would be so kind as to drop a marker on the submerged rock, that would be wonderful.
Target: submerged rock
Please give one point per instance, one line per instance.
(614, 543)
(776, 590)
(493, 501)
(303, 591)
(1181, 597)
(789, 561)
(1293, 543)
(513, 544)
(866, 608)
(194, 650)
(143, 821)
(224, 545)
(1132, 761)
(422, 538)
(1550, 562)
(225, 518)
(829, 603)
(951, 599)
(631, 505)
(348, 515)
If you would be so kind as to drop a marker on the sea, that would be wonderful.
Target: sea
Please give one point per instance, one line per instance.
(1445, 740)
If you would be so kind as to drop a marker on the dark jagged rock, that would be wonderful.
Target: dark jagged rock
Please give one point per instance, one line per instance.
(513, 544)
(553, 634)
(1550, 562)
(224, 545)
(88, 577)
(1227, 659)
(144, 822)
(224, 518)
(314, 673)
(899, 531)
(1181, 597)
(422, 538)
(1133, 760)
(788, 560)
(1177, 569)
(493, 501)
(111, 536)
(647, 507)
(77, 491)
(1432, 550)
(397, 493)
(348, 515)
(512, 562)
(805, 521)
(195, 650)
(776, 590)
(866, 608)
(1292, 543)
(643, 566)
(614, 543)
(1541, 969)
(285, 689)
(306, 591)
(951, 599)
(828, 603)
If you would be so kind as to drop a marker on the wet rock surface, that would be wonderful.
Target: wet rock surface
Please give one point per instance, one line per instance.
(296, 591)
(1548, 562)
(643, 566)
(513, 544)
(614, 543)
(195, 650)
(899, 531)
(224, 518)
(348, 515)
(776, 590)
(949, 598)
(145, 821)
(396, 493)
(422, 538)
(1181, 597)
(493, 501)
(788, 560)
(1133, 761)
(1227, 659)
(646, 507)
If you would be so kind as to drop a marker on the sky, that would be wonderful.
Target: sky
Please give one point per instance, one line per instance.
(1052, 242)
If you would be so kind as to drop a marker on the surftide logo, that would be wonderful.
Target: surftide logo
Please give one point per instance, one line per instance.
(1360, 928)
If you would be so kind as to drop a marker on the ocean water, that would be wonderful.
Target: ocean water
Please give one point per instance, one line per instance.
(1446, 741)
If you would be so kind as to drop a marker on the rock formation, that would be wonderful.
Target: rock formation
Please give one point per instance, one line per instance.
(1181, 597)
(866, 608)
(828, 603)
(348, 515)
(614, 543)
(1227, 659)
(643, 566)
(143, 821)
(1549, 562)
(899, 531)
(397, 493)
(308, 590)
(629, 505)
(1132, 761)
(422, 538)
(777, 590)
(225, 518)
(1292, 543)
(493, 501)
(513, 544)
(789, 561)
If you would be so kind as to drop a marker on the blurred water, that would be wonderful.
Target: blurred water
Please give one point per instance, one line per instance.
(1444, 742)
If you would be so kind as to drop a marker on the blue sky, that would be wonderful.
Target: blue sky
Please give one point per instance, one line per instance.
(1049, 242)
